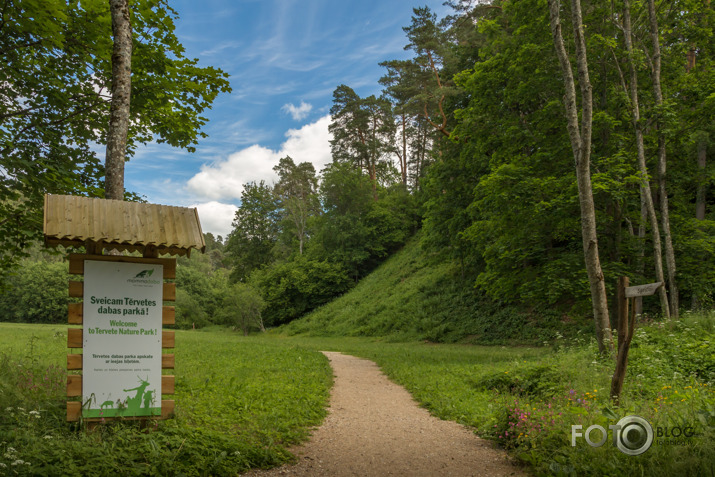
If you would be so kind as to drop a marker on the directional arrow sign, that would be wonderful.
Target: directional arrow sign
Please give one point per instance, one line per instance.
(643, 290)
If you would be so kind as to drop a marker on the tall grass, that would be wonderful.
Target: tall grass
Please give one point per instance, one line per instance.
(240, 404)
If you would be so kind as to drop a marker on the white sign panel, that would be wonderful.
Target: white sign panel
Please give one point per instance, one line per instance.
(122, 311)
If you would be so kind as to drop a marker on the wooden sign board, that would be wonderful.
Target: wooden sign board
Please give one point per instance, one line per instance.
(643, 290)
(122, 338)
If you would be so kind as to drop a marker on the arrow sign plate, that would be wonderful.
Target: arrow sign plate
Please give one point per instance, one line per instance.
(643, 290)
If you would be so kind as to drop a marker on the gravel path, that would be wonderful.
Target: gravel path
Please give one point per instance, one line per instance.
(375, 428)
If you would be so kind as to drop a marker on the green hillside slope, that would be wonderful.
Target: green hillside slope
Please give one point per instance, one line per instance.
(413, 296)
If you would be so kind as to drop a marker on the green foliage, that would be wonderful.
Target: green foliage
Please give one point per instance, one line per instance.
(242, 307)
(255, 232)
(36, 293)
(240, 404)
(54, 107)
(293, 288)
(357, 231)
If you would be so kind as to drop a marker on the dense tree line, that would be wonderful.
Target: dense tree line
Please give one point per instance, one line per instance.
(471, 133)
(302, 241)
(530, 140)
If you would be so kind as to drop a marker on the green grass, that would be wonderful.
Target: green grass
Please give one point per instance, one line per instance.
(242, 401)
(411, 298)
(527, 399)
(240, 404)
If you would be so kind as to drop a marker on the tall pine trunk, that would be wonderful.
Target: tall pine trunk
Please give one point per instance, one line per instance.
(664, 208)
(581, 146)
(121, 94)
(645, 183)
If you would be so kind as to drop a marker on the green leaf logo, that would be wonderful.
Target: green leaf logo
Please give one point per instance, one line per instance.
(144, 274)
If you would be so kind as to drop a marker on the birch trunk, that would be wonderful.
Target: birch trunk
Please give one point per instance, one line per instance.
(581, 146)
(645, 183)
(121, 94)
(664, 207)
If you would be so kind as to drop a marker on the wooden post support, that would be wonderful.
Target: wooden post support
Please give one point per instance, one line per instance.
(626, 297)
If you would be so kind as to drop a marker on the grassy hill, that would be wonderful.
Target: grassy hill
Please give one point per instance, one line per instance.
(413, 296)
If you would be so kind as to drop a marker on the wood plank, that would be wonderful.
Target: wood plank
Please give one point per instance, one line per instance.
(167, 361)
(75, 313)
(76, 266)
(76, 289)
(74, 410)
(168, 315)
(167, 339)
(74, 361)
(167, 408)
(74, 385)
(74, 338)
(169, 291)
(167, 384)
(643, 290)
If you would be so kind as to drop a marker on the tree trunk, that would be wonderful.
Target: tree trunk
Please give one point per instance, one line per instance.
(581, 146)
(645, 183)
(403, 159)
(700, 198)
(640, 269)
(121, 93)
(664, 208)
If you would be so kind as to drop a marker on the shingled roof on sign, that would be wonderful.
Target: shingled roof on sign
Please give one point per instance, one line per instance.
(132, 226)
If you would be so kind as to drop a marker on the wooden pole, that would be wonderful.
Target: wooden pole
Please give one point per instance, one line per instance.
(626, 325)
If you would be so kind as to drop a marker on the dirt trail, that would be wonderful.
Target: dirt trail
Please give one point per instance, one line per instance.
(375, 428)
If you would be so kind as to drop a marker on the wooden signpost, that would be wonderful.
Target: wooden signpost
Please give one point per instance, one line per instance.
(626, 315)
(118, 364)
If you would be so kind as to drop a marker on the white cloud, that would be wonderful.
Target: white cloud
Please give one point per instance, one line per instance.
(216, 217)
(298, 112)
(224, 179)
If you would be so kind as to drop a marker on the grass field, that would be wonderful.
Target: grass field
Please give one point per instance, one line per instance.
(242, 401)
(240, 404)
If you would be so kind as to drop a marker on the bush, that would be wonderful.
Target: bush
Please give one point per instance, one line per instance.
(37, 293)
(291, 289)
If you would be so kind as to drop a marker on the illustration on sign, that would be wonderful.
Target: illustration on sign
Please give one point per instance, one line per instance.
(122, 316)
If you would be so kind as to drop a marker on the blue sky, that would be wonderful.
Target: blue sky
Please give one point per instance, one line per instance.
(284, 59)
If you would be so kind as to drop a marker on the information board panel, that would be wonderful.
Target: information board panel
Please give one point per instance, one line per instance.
(122, 317)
